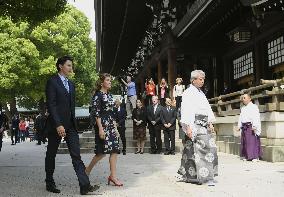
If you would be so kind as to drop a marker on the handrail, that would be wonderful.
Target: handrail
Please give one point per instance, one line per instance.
(240, 92)
(232, 104)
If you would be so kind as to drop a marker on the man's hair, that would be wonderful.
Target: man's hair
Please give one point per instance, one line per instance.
(248, 94)
(194, 74)
(155, 97)
(62, 60)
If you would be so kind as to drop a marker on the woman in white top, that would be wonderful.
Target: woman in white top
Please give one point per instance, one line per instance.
(178, 91)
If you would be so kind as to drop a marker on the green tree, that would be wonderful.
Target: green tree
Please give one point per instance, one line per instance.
(69, 34)
(28, 57)
(18, 61)
(33, 11)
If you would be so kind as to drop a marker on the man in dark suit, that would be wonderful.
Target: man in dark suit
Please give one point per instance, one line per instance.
(168, 118)
(40, 122)
(120, 117)
(155, 124)
(61, 123)
(15, 129)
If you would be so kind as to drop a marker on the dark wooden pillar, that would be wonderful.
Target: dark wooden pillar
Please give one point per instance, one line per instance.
(215, 79)
(149, 71)
(258, 62)
(159, 72)
(171, 69)
(142, 85)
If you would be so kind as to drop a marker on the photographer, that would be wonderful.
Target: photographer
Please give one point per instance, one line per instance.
(131, 95)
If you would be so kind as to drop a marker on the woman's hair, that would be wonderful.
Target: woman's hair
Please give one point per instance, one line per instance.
(163, 81)
(178, 79)
(101, 80)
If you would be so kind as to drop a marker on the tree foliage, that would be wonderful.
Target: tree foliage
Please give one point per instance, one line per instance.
(33, 11)
(28, 56)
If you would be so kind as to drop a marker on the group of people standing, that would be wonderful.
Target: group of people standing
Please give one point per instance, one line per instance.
(22, 129)
(199, 163)
(159, 112)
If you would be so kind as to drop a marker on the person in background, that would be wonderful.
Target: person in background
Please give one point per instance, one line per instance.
(139, 126)
(22, 127)
(15, 130)
(120, 116)
(27, 122)
(168, 118)
(155, 125)
(226, 89)
(131, 95)
(178, 91)
(250, 126)
(150, 91)
(39, 127)
(31, 130)
(163, 92)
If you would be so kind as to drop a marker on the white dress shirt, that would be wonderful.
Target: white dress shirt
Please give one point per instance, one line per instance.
(250, 113)
(155, 108)
(194, 102)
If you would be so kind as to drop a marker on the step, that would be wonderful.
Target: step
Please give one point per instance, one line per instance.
(131, 149)
(128, 144)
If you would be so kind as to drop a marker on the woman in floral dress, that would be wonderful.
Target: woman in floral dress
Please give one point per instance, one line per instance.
(106, 135)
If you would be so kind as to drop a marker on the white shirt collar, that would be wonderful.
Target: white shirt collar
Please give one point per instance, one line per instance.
(62, 78)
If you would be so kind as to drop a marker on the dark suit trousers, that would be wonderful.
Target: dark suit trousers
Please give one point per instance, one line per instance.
(1, 137)
(155, 138)
(169, 139)
(121, 131)
(72, 140)
(14, 133)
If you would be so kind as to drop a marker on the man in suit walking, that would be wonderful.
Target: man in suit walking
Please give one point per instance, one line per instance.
(168, 118)
(155, 124)
(120, 117)
(61, 123)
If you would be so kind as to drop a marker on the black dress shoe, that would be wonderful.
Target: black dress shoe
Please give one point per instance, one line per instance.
(90, 188)
(166, 153)
(124, 152)
(52, 188)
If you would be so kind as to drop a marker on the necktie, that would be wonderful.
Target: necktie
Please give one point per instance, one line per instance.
(66, 85)
(168, 109)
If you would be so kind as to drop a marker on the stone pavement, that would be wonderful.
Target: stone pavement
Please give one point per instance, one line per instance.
(22, 174)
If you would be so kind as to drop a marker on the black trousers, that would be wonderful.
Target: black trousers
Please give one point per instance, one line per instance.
(121, 131)
(1, 137)
(178, 101)
(14, 133)
(155, 138)
(72, 140)
(169, 139)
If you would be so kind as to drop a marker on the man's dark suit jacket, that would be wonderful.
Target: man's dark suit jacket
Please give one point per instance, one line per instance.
(120, 116)
(60, 104)
(169, 117)
(154, 117)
